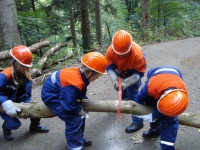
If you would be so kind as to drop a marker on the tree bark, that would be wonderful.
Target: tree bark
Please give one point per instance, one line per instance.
(37, 109)
(85, 26)
(4, 55)
(38, 71)
(98, 22)
(9, 31)
(57, 61)
(72, 24)
(146, 14)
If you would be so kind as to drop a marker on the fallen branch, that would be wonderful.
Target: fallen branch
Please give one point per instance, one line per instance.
(40, 110)
(57, 61)
(39, 80)
(38, 71)
(4, 55)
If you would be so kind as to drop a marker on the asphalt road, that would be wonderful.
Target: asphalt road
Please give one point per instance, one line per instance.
(102, 128)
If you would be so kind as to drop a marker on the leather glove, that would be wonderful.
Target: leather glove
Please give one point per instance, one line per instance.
(116, 84)
(10, 109)
(83, 114)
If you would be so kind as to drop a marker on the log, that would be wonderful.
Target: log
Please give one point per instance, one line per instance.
(37, 109)
(38, 70)
(39, 80)
(37, 46)
(4, 55)
(57, 61)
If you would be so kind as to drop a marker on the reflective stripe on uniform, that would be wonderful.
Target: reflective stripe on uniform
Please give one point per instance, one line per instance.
(167, 143)
(77, 148)
(53, 77)
(166, 69)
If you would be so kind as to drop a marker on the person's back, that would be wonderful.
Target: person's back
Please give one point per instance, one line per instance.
(166, 91)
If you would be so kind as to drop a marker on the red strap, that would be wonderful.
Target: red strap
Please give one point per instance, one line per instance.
(119, 98)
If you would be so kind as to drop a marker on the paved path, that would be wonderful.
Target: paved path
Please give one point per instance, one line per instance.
(103, 128)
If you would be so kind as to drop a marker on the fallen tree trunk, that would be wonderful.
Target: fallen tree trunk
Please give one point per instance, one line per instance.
(40, 110)
(4, 55)
(38, 71)
(57, 61)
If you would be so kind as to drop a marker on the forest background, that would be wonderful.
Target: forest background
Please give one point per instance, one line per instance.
(88, 25)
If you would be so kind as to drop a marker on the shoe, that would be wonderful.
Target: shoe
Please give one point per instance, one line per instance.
(133, 128)
(87, 142)
(39, 128)
(150, 134)
(7, 133)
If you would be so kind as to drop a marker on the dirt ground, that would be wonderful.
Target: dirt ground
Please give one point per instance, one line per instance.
(102, 128)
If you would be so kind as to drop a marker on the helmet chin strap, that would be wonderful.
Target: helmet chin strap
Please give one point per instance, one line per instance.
(91, 75)
(13, 61)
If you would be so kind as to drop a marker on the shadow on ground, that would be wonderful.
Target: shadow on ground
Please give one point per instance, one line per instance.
(104, 130)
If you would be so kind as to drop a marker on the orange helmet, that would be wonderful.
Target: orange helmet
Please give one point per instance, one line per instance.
(173, 102)
(121, 42)
(95, 61)
(22, 55)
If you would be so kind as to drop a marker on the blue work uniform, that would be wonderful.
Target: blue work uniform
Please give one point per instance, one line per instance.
(159, 80)
(10, 91)
(60, 93)
(125, 66)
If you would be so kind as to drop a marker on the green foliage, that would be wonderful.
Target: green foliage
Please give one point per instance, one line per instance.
(170, 19)
(33, 26)
(116, 19)
(177, 19)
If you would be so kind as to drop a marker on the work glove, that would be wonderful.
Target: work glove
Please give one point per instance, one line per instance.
(10, 109)
(147, 117)
(114, 78)
(83, 114)
(116, 84)
(132, 80)
(83, 100)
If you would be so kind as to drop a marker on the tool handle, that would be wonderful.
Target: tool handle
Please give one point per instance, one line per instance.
(119, 98)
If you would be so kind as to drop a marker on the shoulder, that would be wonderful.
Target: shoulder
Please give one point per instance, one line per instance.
(71, 77)
(136, 46)
(7, 72)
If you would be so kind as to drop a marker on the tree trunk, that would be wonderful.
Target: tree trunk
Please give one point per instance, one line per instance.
(4, 55)
(38, 71)
(33, 4)
(39, 110)
(9, 32)
(98, 22)
(85, 26)
(72, 25)
(158, 19)
(146, 14)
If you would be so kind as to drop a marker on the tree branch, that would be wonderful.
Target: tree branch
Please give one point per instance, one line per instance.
(40, 110)
(4, 55)
(38, 71)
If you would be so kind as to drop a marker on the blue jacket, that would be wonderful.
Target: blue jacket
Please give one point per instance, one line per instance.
(160, 79)
(61, 90)
(9, 91)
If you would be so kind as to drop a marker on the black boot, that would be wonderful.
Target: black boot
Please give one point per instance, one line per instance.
(150, 134)
(134, 128)
(35, 126)
(87, 142)
(7, 133)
